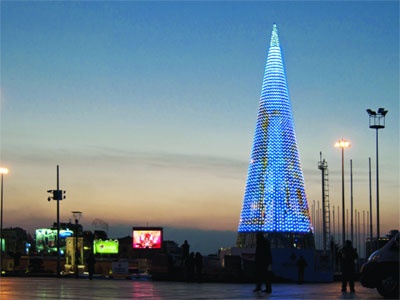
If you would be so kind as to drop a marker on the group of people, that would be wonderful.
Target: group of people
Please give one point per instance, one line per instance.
(263, 263)
(193, 263)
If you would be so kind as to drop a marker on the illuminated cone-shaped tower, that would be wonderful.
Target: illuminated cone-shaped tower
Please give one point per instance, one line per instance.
(275, 201)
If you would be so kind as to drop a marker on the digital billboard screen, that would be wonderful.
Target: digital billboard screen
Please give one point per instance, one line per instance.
(46, 239)
(105, 247)
(147, 237)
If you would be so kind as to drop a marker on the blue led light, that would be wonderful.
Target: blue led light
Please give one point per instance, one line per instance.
(275, 199)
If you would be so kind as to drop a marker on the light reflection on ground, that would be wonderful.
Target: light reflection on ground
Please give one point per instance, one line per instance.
(68, 288)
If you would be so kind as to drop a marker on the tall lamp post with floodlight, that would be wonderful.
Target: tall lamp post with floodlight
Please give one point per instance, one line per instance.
(343, 144)
(57, 195)
(2, 172)
(377, 121)
(77, 215)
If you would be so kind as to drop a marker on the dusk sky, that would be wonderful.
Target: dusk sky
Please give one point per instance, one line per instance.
(149, 108)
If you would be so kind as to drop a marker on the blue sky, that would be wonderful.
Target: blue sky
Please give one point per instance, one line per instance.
(149, 108)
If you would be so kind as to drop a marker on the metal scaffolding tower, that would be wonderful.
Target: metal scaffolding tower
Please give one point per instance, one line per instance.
(326, 220)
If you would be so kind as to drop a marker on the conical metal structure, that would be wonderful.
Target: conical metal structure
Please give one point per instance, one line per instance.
(275, 201)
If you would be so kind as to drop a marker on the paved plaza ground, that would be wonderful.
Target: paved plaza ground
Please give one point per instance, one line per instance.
(25, 288)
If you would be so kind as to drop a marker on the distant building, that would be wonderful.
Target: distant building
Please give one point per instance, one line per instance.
(15, 240)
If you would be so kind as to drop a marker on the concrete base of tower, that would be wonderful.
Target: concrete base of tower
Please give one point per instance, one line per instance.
(287, 248)
(287, 240)
(284, 264)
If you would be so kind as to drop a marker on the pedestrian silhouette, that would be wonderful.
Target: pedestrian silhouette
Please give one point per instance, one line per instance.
(189, 266)
(185, 251)
(90, 263)
(349, 255)
(301, 265)
(263, 263)
(198, 259)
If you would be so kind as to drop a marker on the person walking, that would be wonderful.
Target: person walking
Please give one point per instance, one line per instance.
(185, 247)
(301, 265)
(263, 263)
(190, 265)
(349, 255)
(90, 263)
(198, 259)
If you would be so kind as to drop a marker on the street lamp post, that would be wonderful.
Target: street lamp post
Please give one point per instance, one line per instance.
(77, 216)
(370, 201)
(377, 121)
(343, 144)
(57, 195)
(351, 203)
(2, 172)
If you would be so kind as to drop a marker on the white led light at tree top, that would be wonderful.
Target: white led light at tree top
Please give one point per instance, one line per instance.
(275, 199)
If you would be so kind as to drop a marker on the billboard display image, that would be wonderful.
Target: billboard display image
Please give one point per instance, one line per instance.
(46, 239)
(147, 237)
(105, 247)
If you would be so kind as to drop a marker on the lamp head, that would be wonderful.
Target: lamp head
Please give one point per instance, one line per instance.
(371, 112)
(382, 111)
(342, 144)
(76, 215)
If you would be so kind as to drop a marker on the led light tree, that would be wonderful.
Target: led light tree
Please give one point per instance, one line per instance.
(275, 201)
